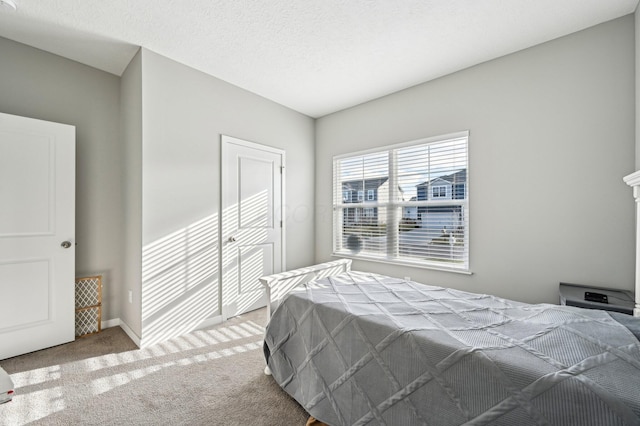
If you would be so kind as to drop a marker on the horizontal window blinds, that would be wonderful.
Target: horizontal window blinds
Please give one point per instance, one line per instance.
(407, 203)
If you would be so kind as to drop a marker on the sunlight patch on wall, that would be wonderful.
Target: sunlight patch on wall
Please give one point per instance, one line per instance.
(179, 281)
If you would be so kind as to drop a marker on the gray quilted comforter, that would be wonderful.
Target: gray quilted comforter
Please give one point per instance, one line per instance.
(364, 349)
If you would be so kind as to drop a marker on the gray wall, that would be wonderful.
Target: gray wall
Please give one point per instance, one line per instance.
(551, 136)
(184, 114)
(40, 85)
(148, 168)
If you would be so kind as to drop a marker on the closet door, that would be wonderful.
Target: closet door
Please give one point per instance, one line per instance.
(37, 234)
(252, 222)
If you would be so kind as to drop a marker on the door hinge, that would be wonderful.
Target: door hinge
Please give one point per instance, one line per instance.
(281, 169)
(280, 224)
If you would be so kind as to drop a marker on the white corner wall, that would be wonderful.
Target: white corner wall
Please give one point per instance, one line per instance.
(184, 113)
(551, 136)
(37, 84)
(131, 136)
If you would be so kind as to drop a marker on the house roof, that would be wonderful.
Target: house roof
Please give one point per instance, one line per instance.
(368, 183)
(457, 177)
(373, 183)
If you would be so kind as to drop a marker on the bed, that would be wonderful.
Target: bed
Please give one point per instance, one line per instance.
(357, 348)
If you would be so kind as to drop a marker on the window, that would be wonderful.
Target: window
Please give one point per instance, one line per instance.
(439, 191)
(346, 196)
(427, 178)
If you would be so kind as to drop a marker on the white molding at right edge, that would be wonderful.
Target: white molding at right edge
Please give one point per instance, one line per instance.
(633, 180)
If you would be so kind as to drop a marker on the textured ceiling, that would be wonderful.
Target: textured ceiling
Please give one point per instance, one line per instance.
(315, 57)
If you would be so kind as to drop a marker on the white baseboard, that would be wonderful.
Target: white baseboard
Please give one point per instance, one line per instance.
(117, 322)
(110, 323)
(171, 332)
(209, 322)
(133, 336)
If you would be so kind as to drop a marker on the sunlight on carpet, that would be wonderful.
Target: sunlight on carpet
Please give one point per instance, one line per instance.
(41, 392)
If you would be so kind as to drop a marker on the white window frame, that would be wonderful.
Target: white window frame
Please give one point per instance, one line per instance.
(394, 207)
(440, 192)
(360, 195)
(371, 195)
(346, 196)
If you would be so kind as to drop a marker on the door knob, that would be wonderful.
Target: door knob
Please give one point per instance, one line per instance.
(66, 244)
(232, 239)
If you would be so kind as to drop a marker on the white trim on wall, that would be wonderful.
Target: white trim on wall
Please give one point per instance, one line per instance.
(117, 322)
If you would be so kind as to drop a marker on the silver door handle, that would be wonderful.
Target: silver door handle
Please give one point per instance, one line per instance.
(232, 239)
(66, 244)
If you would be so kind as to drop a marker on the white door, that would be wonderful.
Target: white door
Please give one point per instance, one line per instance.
(252, 229)
(37, 231)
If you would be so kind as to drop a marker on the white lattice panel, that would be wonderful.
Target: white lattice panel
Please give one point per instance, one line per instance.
(88, 305)
(88, 291)
(87, 321)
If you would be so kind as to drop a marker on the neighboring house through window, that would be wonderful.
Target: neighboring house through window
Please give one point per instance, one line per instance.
(416, 209)
(354, 215)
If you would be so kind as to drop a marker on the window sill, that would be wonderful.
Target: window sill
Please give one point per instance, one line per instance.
(420, 265)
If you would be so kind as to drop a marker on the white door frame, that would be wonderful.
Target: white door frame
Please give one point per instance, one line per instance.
(225, 141)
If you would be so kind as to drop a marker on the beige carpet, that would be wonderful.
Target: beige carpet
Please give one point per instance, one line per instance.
(208, 377)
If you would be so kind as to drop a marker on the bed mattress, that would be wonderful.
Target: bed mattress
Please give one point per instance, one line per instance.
(366, 349)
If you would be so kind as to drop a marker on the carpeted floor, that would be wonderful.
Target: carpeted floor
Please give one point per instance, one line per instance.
(207, 377)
